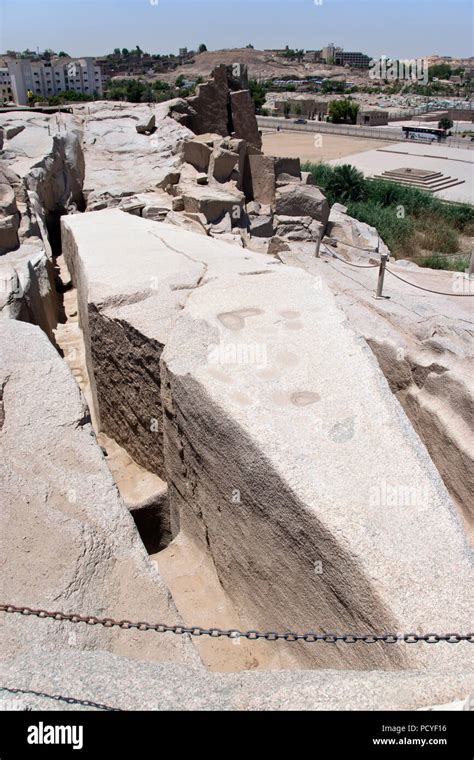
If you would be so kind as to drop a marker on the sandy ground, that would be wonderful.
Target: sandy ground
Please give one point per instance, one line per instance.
(316, 147)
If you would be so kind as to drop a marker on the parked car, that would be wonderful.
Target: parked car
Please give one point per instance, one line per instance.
(300, 121)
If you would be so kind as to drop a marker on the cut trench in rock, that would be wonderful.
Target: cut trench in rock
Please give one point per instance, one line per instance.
(184, 565)
(143, 492)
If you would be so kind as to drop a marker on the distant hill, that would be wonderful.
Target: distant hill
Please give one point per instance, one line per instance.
(261, 65)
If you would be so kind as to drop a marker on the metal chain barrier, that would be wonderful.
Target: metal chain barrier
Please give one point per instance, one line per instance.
(61, 698)
(196, 630)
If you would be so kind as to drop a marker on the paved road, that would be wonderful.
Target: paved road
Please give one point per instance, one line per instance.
(352, 130)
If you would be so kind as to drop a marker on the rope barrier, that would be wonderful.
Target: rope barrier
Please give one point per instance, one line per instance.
(350, 263)
(386, 269)
(427, 290)
(290, 636)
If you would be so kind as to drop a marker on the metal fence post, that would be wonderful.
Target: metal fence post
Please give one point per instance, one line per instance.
(383, 262)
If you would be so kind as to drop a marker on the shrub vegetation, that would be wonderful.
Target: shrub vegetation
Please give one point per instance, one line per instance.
(409, 220)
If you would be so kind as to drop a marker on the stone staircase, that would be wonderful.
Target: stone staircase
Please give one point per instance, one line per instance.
(423, 179)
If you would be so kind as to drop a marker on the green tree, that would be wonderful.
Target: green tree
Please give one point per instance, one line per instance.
(179, 81)
(346, 184)
(117, 52)
(160, 86)
(445, 123)
(125, 52)
(258, 93)
(202, 48)
(343, 111)
(62, 54)
(439, 71)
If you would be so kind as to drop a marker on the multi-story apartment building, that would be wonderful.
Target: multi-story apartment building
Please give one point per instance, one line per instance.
(341, 57)
(355, 59)
(46, 78)
(6, 94)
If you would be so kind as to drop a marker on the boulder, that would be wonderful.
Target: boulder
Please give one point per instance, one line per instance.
(287, 167)
(228, 237)
(243, 118)
(11, 132)
(147, 126)
(285, 179)
(187, 221)
(301, 228)
(153, 205)
(253, 208)
(276, 245)
(302, 200)
(178, 203)
(7, 200)
(213, 202)
(207, 109)
(169, 179)
(223, 165)
(29, 289)
(196, 153)
(261, 226)
(9, 239)
(223, 225)
(293, 232)
(261, 179)
(354, 238)
(234, 145)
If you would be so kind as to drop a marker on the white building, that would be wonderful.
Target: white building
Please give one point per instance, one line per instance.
(6, 93)
(48, 78)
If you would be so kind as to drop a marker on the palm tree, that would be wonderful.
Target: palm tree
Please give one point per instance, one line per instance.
(346, 184)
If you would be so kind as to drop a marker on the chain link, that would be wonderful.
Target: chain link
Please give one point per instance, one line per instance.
(196, 630)
(59, 698)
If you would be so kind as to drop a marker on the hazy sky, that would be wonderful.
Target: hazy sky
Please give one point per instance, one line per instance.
(398, 28)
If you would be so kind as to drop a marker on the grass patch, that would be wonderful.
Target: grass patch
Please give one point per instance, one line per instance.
(438, 261)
